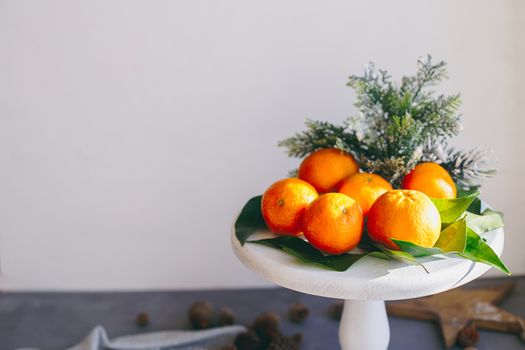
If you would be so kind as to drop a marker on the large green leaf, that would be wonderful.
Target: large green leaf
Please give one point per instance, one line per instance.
(487, 221)
(400, 255)
(451, 209)
(250, 220)
(416, 250)
(308, 254)
(475, 206)
(478, 250)
(453, 238)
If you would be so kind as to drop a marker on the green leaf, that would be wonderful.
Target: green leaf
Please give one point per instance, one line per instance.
(478, 250)
(400, 255)
(305, 252)
(489, 220)
(416, 250)
(475, 206)
(379, 255)
(451, 209)
(453, 238)
(250, 220)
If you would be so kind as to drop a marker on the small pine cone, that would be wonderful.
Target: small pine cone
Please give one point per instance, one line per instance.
(468, 336)
(142, 319)
(266, 326)
(282, 342)
(228, 347)
(298, 313)
(336, 311)
(298, 338)
(200, 315)
(248, 341)
(226, 317)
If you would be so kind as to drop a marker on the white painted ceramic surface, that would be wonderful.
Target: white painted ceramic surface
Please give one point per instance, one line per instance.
(368, 279)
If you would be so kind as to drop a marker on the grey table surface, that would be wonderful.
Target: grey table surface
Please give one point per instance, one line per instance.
(52, 321)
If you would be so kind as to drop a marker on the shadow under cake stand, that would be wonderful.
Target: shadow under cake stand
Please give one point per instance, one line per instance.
(365, 285)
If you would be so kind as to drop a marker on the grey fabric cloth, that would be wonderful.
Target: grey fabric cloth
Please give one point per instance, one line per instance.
(207, 339)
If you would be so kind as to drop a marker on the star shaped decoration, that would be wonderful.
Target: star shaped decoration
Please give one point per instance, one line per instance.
(457, 308)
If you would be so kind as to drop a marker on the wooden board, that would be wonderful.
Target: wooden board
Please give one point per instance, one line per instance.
(455, 309)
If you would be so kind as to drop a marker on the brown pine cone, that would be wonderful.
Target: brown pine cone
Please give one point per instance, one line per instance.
(142, 319)
(281, 342)
(228, 347)
(226, 317)
(248, 341)
(200, 315)
(468, 336)
(298, 313)
(266, 326)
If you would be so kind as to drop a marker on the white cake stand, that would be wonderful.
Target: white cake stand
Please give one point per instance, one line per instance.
(365, 285)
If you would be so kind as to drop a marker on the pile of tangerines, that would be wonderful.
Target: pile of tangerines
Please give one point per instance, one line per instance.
(330, 199)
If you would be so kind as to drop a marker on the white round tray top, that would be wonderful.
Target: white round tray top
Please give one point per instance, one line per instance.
(369, 278)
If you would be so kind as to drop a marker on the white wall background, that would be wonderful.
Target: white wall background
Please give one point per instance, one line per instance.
(132, 132)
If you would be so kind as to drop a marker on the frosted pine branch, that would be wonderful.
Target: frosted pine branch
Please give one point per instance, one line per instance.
(467, 168)
(397, 126)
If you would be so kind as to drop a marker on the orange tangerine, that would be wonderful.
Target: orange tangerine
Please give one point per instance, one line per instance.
(365, 189)
(284, 203)
(405, 215)
(333, 223)
(325, 168)
(431, 179)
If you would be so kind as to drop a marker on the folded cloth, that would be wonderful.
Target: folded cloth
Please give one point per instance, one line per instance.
(213, 338)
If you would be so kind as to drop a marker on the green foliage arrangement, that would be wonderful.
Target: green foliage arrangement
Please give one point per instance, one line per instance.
(398, 126)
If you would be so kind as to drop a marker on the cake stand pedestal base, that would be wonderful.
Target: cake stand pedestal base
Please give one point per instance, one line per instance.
(364, 325)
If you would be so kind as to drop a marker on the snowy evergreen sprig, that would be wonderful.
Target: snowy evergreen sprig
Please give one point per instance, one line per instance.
(320, 134)
(468, 168)
(398, 126)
